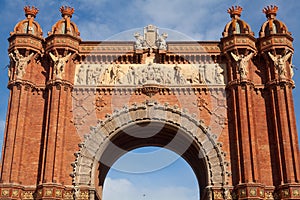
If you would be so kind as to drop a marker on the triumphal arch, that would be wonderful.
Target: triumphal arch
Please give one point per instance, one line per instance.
(224, 106)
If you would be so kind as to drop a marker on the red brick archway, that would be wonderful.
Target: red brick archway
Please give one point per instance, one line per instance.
(230, 99)
(121, 133)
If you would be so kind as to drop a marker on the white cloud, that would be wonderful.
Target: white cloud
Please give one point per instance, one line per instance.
(115, 189)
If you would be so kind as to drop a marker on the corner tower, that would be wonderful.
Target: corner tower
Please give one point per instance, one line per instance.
(26, 80)
(276, 49)
(61, 52)
(238, 47)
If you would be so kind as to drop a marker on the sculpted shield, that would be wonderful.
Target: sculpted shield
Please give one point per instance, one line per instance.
(150, 32)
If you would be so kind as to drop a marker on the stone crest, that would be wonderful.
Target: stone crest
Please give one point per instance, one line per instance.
(150, 39)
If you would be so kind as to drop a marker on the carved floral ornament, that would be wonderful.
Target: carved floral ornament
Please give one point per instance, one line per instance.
(142, 74)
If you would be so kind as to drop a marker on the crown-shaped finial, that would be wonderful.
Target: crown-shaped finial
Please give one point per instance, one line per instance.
(235, 10)
(31, 11)
(270, 10)
(66, 10)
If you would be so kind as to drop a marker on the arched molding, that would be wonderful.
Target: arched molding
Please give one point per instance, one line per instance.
(99, 138)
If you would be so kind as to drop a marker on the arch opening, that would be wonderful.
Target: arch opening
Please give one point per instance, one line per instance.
(175, 181)
(149, 125)
(154, 134)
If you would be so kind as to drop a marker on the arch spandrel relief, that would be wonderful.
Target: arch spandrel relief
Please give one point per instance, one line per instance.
(151, 73)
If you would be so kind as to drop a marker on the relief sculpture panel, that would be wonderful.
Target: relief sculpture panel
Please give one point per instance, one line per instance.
(141, 74)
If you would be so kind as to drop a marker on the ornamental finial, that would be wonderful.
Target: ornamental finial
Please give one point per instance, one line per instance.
(66, 10)
(270, 10)
(33, 11)
(235, 11)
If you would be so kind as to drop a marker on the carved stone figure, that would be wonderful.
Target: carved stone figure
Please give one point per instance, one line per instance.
(161, 41)
(200, 75)
(20, 62)
(242, 63)
(280, 62)
(106, 76)
(210, 74)
(178, 78)
(93, 76)
(96, 74)
(167, 77)
(80, 75)
(207, 74)
(150, 39)
(10, 66)
(89, 75)
(59, 64)
(219, 76)
(159, 74)
(116, 74)
(139, 42)
(131, 75)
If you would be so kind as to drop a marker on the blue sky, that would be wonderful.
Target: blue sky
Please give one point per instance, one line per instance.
(102, 19)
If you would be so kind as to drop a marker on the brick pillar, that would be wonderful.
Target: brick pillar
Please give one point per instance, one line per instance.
(240, 51)
(284, 126)
(21, 84)
(10, 135)
(277, 50)
(240, 88)
(61, 49)
(244, 132)
(59, 92)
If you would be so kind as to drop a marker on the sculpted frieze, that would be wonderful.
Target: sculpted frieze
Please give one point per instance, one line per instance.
(151, 73)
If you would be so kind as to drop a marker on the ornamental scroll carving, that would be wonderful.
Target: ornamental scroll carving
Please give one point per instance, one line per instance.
(141, 74)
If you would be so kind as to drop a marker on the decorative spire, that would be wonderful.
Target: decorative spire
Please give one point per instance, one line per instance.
(66, 11)
(235, 11)
(270, 10)
(33, 11)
